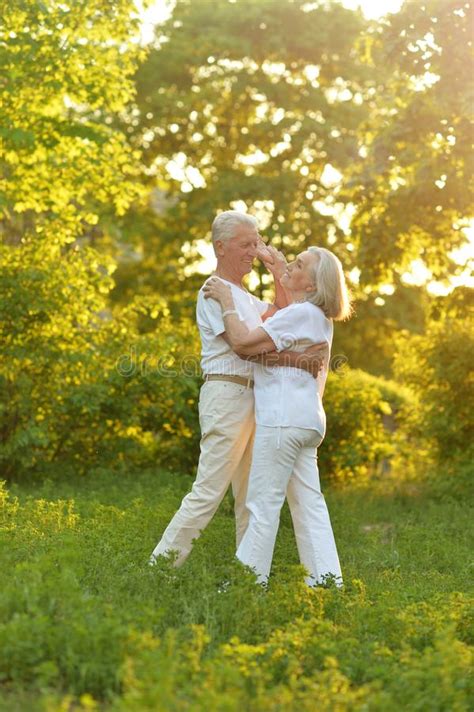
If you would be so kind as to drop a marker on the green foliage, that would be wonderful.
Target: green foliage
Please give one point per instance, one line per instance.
(65, 166)
(363, 415)
(436, 367)
(83, 387)
(412, 189)
(67, 74)
(123, 392)
(85, 622)
(285, 80)
(271, 97)
(62, 166)
(49, 306)
(367, 338)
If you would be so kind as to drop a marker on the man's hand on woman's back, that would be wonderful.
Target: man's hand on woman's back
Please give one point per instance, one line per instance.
(314, 358)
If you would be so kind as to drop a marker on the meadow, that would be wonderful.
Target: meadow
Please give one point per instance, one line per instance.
(86, 624)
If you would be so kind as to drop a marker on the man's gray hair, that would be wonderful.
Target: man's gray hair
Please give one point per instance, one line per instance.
(226, 224)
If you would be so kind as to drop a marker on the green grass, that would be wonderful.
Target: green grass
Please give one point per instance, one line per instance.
(85, 623)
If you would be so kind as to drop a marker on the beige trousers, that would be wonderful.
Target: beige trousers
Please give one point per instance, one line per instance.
(226, 417)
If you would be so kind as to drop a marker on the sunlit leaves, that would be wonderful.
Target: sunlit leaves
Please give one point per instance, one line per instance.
(61, 64)
(414, 191)
(66, 72)
(258, 107)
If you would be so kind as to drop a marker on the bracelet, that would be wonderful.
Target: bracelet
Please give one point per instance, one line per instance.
(229, 311)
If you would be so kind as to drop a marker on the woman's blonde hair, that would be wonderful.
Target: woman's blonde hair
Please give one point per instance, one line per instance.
(331, 293)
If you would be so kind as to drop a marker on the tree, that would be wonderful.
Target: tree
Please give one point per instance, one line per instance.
(65, 67)
(273, 95)
(413, 185)
(254, 111)
(367, 340)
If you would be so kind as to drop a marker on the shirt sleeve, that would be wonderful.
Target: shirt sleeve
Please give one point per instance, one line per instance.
(290, 325)
(283, 328)
(209, 315)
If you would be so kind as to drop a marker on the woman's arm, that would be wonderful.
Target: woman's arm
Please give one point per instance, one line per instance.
(275, 263)
(312, 360)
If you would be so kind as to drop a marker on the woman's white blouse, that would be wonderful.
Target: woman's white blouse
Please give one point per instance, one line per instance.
(286, 396)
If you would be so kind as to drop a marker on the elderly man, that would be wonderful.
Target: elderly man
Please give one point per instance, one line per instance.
(226, 402)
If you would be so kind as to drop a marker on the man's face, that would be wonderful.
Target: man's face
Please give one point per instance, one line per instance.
(241, 250)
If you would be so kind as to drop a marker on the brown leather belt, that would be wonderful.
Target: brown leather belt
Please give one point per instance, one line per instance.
(241, 380)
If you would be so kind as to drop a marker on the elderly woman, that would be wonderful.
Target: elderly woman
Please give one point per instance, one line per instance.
(289, 414)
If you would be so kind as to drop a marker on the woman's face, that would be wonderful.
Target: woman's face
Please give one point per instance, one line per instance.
(299, 273)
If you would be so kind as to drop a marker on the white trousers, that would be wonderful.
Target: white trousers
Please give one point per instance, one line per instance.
(284, 463)
(226, 417)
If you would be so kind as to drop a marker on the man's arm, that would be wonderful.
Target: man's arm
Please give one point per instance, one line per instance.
(312, 360)
(245, 343)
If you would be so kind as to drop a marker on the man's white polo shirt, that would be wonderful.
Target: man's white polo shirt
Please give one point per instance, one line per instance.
(216, 354)
(286, 396)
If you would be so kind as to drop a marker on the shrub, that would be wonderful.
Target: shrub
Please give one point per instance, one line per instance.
(68, 168)
(83, 388)
(119, 389)
(436, 367)
(364, 414)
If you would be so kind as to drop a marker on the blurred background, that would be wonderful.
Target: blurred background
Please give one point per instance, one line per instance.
(126, 128)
